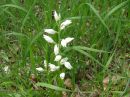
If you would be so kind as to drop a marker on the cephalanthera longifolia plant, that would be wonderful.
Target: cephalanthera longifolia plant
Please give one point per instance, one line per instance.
(60, 62)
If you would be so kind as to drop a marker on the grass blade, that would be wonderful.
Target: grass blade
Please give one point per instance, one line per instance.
(109, 61)
(77, 17)
(88, 55)
(27, 15)
(126, 88)
(17, 34)
(52, 87)
(115, 9)
(14, 6)
(90, 49)
(97, 14)
(33, 40)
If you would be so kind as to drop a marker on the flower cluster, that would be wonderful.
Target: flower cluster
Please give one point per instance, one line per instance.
(59, 59)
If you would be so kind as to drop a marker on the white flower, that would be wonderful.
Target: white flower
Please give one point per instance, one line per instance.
(62, 76)
(67, 65)
(58, 57)
(56, 49)
(63, 60)
(45, 63)
(40, 69)
(48, 39)
(50, 31)
(56, 16)
(53, 67)
(6, 69)
(65, 41)
(65, 23)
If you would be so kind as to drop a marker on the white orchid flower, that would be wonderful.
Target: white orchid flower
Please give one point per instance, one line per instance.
(62, 76)
(50, 31)
(57, 16)
(40, 69)
(65, 23)
(67, 65)
(48, 39)
(63, 60)
(6, 69)
(56, 49)
(65, 41)
(45, 63)
(58, 57)
(53, 67)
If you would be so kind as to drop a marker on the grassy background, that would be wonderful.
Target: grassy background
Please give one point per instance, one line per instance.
(101, 45)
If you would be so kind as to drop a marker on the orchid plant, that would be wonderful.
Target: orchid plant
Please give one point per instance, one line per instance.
(62, 43)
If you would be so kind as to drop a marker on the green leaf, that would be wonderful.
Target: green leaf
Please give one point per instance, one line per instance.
(89, 49)
(52, 87)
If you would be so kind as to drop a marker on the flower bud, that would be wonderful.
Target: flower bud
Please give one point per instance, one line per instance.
(65, 23)
(56, 49)
(40, 69)
(50, 31)
(67, 65)
(56, 16)
(62, 76)
(63, 60)
(58, 57)
(53, 67)
(65, 41)
(48, 39)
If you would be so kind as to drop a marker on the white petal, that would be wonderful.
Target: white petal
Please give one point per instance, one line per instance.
(62, 27)
(56, 49)
(45, 63)
(63, 60)
(53, 67)
(63, 43)
(58, 57)
(62, 76)
(65, 23)
(67, 65)
(56, 16)
(40, 69)
(48, 39)
(6, 69)
(68, 39)
(50, 31)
